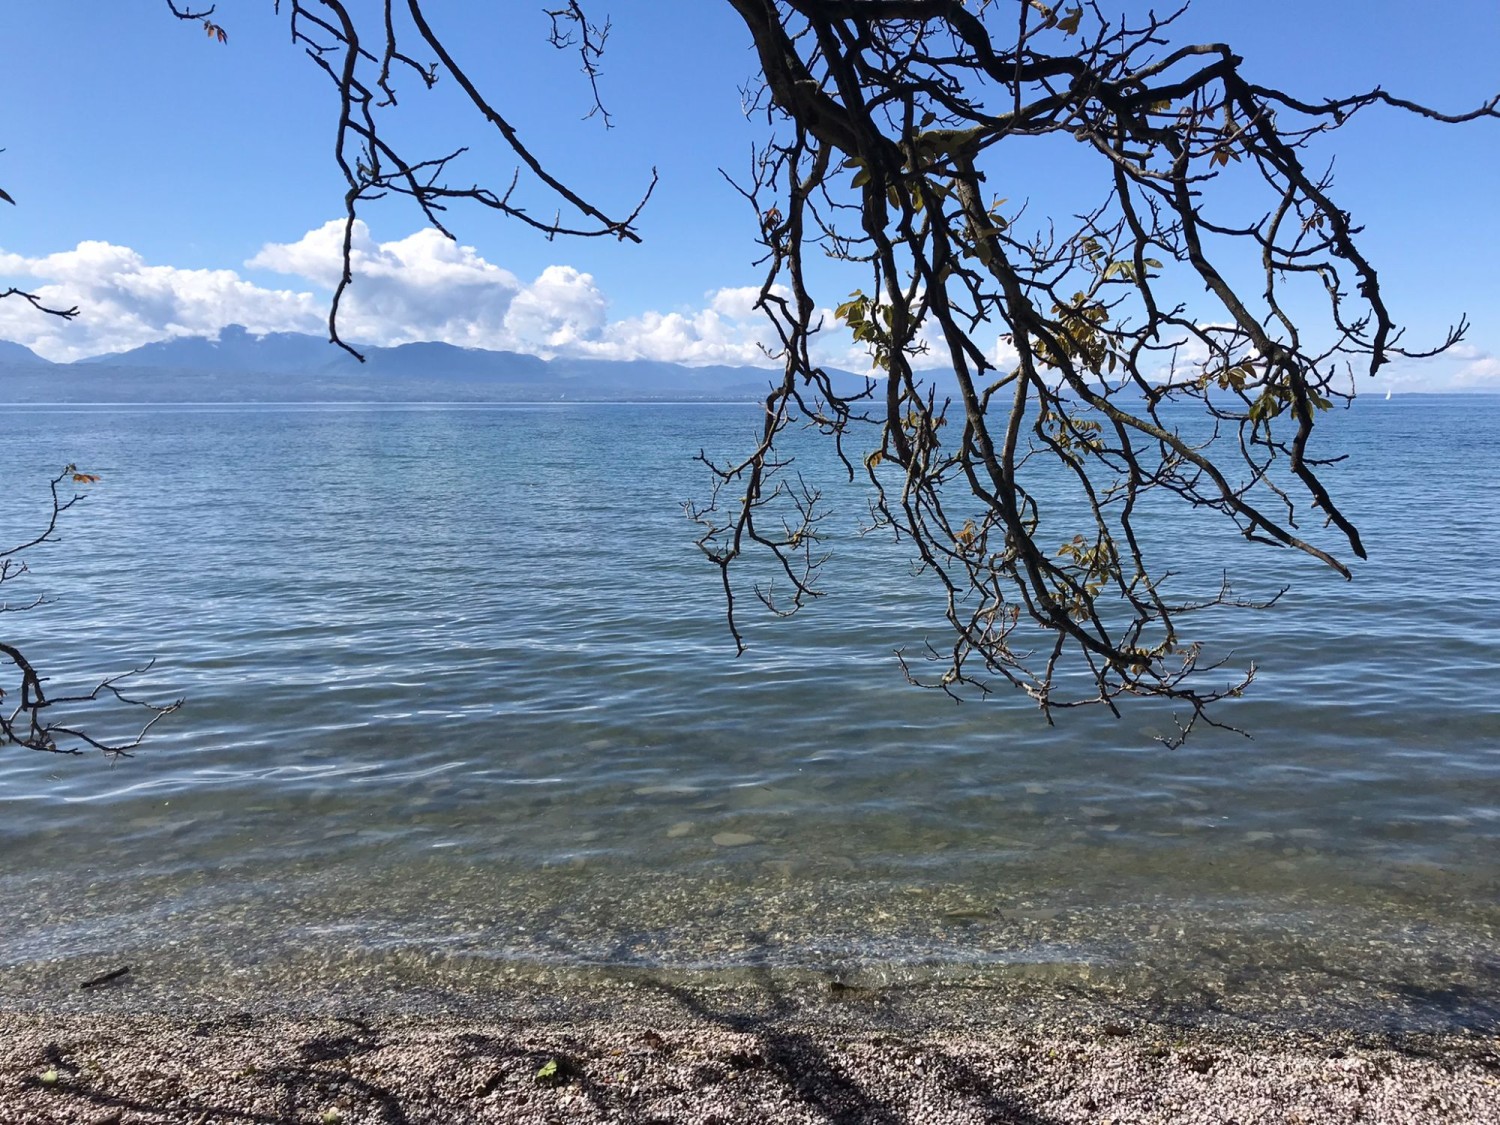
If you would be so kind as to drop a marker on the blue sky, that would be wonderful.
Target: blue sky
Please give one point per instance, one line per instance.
(171, 185)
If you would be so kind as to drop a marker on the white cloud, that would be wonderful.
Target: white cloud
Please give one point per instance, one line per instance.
(421, 287)
(1482, 372)
(738, 303)
(562, 310)
(125, 302)
(427, 287)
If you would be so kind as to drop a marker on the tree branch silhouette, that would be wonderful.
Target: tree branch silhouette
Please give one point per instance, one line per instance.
(32, 718)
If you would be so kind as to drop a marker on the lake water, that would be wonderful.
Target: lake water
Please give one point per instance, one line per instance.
(462, 707)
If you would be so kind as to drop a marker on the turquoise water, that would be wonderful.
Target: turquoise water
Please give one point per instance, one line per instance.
(461, 702)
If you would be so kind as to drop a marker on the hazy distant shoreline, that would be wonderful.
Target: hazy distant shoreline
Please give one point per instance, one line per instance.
(68, 386)
(292, 367)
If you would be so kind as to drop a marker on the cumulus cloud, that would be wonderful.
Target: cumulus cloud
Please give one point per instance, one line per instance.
(126, 302)
(1482, 372)
(560, 311)
(425, 287)
(421, 287)
(418, 288)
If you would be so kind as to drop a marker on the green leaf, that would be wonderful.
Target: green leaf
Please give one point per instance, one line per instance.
(555, 1072)
(6, 196)
(853, 310)
(1264, 408)
(1069, 22)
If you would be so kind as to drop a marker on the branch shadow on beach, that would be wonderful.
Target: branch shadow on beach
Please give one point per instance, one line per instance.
(292, 1092)
(813, 1077)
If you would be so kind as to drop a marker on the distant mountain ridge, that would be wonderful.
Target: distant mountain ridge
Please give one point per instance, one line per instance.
(18, 355)
(236, 349)
(292, 367)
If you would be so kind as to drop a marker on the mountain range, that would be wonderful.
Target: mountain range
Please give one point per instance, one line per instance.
(240, 366)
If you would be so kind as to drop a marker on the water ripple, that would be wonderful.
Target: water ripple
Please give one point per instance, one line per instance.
(478, 647)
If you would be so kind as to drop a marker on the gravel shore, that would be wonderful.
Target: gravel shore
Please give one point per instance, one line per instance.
(669, 1053)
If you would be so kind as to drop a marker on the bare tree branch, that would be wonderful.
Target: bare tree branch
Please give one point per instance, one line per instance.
(55, 723)
(1026, 516)
(41, 306)
(373, 168)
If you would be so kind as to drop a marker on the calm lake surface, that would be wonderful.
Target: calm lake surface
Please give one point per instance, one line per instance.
(462, 707)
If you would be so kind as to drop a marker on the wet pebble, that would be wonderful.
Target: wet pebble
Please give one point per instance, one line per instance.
(764, 796)
(733, 839)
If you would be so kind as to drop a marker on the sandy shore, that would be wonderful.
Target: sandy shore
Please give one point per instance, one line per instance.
(665, 1053)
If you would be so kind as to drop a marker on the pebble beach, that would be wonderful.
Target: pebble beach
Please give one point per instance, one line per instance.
(662, 1052)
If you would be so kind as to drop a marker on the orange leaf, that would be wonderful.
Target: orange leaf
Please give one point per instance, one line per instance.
(85, 478)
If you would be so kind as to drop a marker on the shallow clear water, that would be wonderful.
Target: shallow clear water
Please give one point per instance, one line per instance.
(460, 696)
